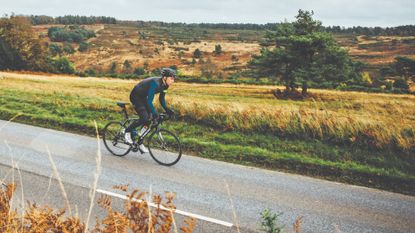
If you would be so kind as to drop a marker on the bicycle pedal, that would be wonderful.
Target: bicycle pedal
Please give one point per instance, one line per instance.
(135, 148)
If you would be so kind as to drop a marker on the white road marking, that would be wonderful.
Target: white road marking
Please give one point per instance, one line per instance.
(184, 213)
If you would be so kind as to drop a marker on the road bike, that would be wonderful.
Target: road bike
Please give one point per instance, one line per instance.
(163, 145)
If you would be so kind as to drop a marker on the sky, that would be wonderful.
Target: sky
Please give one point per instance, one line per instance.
(348, 13)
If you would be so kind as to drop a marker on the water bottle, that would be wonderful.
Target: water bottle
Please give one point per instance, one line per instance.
(143, 130)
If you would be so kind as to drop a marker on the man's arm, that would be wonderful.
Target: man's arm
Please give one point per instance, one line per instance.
(150, 97)
(162, 100)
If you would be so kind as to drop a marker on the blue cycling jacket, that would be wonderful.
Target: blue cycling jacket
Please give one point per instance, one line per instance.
(147, 88)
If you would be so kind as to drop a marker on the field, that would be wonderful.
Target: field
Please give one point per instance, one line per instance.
(159, 46)
(377, 50)
(347, 136)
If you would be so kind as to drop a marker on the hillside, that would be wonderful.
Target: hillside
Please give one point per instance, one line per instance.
(152, 46)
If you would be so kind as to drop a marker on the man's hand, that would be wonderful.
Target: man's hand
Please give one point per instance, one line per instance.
(155, 117)
(169, 112)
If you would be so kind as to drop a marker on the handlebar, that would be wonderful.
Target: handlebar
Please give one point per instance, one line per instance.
(163, 117)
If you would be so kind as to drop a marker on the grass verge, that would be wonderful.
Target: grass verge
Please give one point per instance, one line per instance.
(76, 112)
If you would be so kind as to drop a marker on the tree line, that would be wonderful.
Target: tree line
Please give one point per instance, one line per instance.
(71, 19)
(405, 30)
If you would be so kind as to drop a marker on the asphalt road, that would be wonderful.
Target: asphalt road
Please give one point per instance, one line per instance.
(230, 193)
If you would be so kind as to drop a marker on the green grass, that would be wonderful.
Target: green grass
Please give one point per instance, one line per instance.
(312, 157)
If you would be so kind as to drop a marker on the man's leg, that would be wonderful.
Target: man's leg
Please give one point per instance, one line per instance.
(141, 109)
(144, 118)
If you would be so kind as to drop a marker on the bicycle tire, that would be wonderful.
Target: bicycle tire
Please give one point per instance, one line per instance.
(157, 146)
(113, 129)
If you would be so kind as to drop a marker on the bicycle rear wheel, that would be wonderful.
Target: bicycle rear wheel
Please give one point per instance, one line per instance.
(113, 137)
(164, 147)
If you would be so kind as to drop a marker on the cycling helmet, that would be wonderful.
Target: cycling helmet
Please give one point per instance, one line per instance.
(168, 72)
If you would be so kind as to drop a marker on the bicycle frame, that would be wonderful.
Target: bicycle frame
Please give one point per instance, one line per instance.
(152, 126)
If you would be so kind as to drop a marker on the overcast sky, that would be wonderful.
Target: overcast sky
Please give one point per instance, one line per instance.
(330, 12)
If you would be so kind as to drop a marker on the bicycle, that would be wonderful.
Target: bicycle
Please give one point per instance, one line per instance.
(163, 145)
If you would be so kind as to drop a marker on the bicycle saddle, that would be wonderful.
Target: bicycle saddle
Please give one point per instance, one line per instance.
(122, 104)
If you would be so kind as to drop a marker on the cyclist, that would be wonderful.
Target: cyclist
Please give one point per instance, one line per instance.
(142, 97)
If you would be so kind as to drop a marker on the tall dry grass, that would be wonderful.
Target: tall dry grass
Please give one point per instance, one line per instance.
(134, 218)
(376, 121)
(364, 120)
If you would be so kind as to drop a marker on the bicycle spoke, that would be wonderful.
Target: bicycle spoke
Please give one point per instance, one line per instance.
(114, 139)
(165, 148)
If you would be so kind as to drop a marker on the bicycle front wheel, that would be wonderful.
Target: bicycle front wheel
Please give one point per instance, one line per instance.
(164, 147)
(113, 138)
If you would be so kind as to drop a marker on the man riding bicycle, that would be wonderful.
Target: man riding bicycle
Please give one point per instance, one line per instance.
(142, 97)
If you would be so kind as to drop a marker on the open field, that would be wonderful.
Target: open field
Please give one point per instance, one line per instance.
(352, 137)
(159, 46)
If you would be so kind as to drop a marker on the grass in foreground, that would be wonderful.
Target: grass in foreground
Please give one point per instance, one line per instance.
(243, 124)
(136, 216)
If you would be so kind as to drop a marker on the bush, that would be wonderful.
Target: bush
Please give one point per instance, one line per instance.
(83, 46)
(113, 68)
(69, 34)
(389, 86)
(55, 49)
(91, 72)
(218, 49)
(197, 53)
(68, 49)
(401, 84)
(127, 66)
(63, 65)
(269, 222)
(404, 66)
(366, 79)
(139, 71)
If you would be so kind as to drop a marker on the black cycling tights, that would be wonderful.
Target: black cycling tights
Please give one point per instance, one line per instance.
(142, 110)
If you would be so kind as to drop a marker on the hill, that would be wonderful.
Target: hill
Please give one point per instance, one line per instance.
(153, 46)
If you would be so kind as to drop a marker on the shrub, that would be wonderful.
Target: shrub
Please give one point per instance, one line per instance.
(63, 65)
(139, 71)
(218, 49)
(69, 34)
(55, 49)
(83, 46)
(67, 48)
(401, 83)
(269, 222)
(197, 53)
(91, 72)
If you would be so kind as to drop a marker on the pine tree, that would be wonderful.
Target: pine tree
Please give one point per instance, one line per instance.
(197, 53)
(303, 53)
